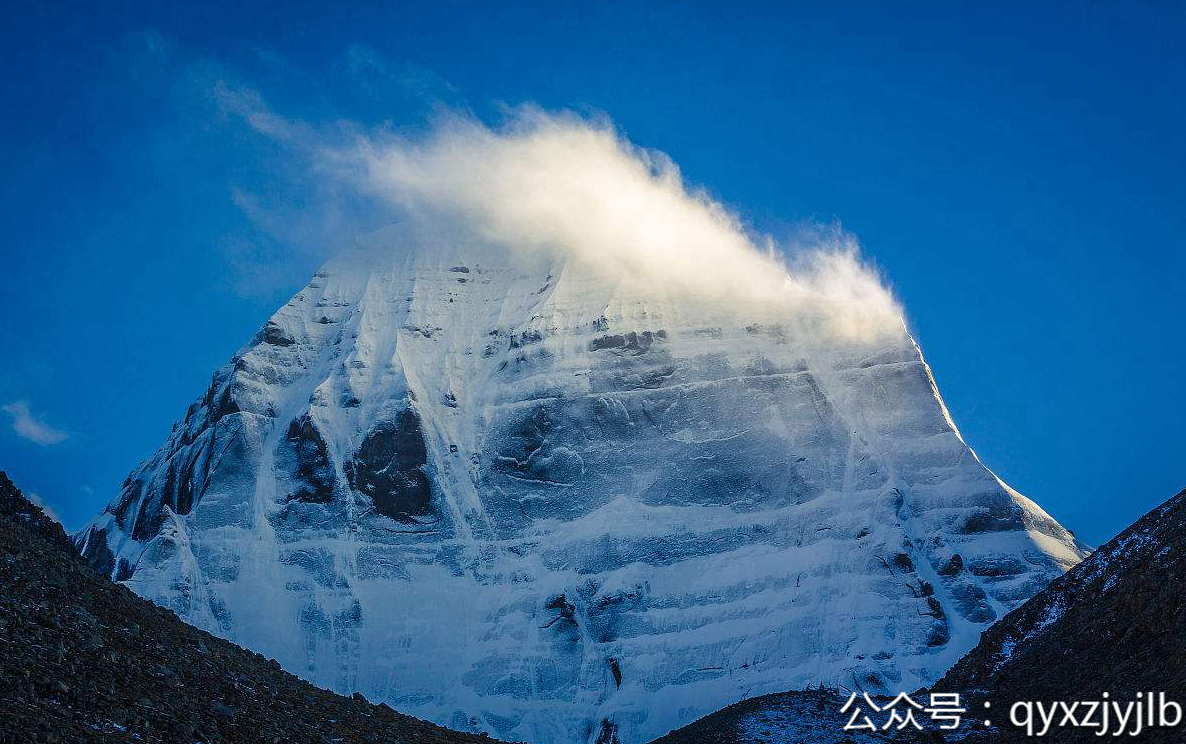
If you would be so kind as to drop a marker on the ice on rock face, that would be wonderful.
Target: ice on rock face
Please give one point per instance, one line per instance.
(518, 497)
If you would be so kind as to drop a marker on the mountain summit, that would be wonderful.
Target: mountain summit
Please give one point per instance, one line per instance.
(546, 499)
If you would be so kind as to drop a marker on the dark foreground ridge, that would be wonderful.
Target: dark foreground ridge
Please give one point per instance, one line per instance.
(86, 660)
(1114, 624)
(798, 717)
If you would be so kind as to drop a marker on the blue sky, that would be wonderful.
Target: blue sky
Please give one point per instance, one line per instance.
(1014, 169)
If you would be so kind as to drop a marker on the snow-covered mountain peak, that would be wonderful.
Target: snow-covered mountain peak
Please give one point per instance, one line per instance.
(550, 499)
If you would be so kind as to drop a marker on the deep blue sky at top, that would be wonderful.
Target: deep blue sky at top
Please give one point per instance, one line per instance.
(1015, 169)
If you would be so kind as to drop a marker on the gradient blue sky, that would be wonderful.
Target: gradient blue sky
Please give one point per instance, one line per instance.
(1015, 169)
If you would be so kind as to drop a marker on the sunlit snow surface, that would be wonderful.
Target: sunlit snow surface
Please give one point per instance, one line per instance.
(525, 499)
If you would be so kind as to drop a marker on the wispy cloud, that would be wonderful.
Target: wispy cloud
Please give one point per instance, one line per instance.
(532, 181)
(382, 79)
(27, 425)
(301, 212)
(575, 185)
(558, 181)
(49, 512)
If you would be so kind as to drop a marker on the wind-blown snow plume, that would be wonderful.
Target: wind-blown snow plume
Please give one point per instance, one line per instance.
(562, 182)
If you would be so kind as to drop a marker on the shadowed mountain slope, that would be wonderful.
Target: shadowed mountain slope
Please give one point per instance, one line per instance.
(1115, 624)
(86, 660)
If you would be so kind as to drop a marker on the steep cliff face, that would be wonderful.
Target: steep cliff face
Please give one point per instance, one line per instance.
(515, 495)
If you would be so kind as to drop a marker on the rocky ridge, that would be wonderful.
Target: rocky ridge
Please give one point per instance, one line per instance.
(1114, 624)
(86, 660)
(798, 717)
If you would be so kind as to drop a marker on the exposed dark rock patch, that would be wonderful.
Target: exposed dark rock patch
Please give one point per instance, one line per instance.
(565, 610)
(904, 562)
(994, 519)
(185, 479)
(313, 468)
(220, 401)
(632, 342)
(952, 565)
(87, 661)
(608, 733)
(123, 570)
(525, 338)
(94, 550)
(391, 468)
(275, 335)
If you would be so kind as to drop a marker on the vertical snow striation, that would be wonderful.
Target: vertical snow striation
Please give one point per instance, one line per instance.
(517, 496)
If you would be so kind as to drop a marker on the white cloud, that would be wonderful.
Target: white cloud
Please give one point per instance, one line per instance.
(28, 426)
(571, 184)
(560, 182)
